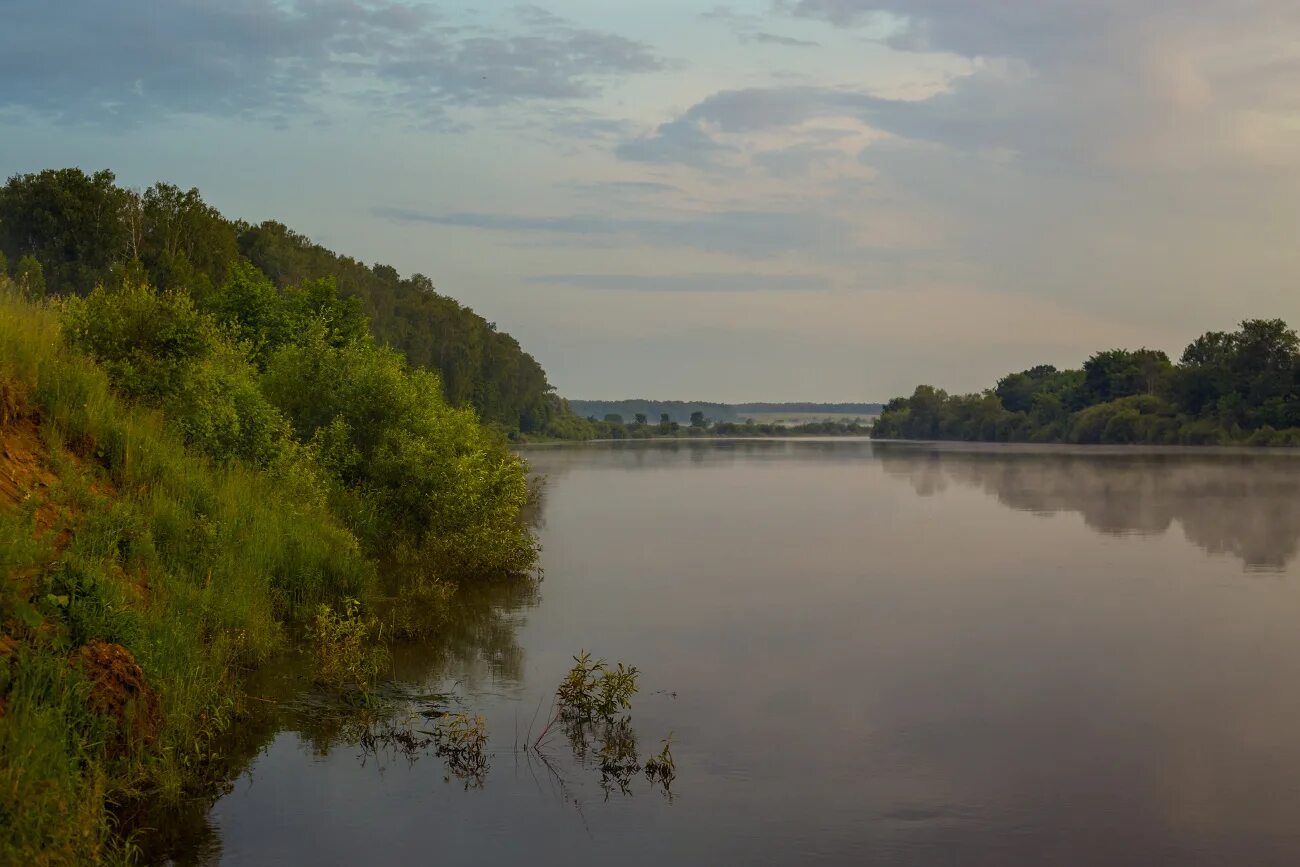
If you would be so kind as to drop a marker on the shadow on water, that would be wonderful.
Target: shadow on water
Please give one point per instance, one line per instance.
(1239, 503)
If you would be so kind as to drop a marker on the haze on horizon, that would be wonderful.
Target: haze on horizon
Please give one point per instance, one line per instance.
(792, 200)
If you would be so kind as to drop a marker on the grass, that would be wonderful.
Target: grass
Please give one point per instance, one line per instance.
(195, 570)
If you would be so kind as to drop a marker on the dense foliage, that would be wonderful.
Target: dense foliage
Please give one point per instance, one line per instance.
(1228, 387)
(137, 579)
(291, 381)
(184, 474)
(66, 232)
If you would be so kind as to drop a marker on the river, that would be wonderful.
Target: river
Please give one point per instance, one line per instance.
(865, 653)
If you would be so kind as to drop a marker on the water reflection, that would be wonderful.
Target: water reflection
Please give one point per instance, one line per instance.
(1237, 503)
(865, 653)
(475, 639)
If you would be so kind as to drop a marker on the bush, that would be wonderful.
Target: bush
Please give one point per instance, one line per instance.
(349, 649)
(157, 347)
(409, 465)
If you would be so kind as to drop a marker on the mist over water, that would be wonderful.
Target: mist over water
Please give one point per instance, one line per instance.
(867, 653)
(1227, 502)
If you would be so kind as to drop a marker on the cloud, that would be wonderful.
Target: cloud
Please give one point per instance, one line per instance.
(698, 282)
(698, 137)
(778, 39)
(750, 234)
(1110, 85)
(134, 61)
(747, 28)
(679, 141)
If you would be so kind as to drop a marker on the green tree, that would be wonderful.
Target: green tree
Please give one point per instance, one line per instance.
(67, 219)
(413, 469)
(184, 241)
(159, 348)
(697, 419)
(30, 277)
(641, 418)
(1120, 372)
(1017, 390)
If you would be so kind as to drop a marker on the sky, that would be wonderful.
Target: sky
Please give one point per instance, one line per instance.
(766, 200)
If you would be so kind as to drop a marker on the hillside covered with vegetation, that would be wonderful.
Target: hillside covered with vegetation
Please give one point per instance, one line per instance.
(189, 479)
(64, 232)
(1240, 386)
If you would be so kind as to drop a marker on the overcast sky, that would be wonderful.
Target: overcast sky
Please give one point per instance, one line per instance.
(800, 199)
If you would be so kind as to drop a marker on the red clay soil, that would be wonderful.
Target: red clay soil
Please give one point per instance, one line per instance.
(118, 691)
(24, 470)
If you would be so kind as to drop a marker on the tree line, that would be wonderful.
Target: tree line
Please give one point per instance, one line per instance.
(640, 426)
(64, 232)
(681, 410)
(1239, 386)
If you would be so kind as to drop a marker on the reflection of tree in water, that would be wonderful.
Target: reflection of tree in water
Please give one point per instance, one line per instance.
(475, 638)
(1240, 504)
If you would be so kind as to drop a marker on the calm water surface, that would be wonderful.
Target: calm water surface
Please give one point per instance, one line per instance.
(866, 653)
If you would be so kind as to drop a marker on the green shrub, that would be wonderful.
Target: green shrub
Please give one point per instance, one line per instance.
(350, 652)
(410, 466)
(157, 347)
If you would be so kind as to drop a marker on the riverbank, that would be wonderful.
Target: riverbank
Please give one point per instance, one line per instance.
(156, 549)
(139, 581)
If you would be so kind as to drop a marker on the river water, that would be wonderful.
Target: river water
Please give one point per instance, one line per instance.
(865, 653)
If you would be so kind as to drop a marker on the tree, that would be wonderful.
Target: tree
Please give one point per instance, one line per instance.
(641, 418)
(1017, 390)
(184, 241)
(697, 419)
(1120, 372)
(70, 221)
(665, 422)
(30, 277)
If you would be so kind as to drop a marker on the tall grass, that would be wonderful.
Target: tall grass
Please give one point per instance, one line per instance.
(193, 567)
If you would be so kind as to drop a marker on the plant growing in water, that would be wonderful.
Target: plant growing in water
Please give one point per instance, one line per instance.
(662, 769)
(593, 692)
(589, 703)
(460, 739)
(350, 652)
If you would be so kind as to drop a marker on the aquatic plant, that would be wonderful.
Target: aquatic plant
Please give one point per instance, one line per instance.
(662, 769)
(592, 691)
(460, 740)
(589, 705)
(350, 652)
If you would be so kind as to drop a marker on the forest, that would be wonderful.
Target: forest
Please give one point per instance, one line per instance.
(1233, 387)
(64, 232)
